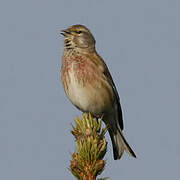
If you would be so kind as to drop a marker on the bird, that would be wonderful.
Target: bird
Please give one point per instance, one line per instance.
(89, 85)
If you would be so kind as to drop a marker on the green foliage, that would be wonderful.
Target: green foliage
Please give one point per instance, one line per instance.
(87, 162)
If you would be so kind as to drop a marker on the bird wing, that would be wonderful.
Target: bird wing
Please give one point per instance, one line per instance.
(111, 82)
(119, 110)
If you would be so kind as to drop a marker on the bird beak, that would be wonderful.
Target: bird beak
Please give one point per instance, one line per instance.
(65, 32)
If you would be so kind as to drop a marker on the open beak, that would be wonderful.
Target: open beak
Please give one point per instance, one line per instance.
(65, 32)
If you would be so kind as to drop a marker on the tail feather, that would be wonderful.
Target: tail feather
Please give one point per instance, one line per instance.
(120, 144)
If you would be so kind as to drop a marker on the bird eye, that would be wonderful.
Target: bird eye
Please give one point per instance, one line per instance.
(79, 32)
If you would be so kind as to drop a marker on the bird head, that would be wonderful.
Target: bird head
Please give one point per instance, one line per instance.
(78, 36)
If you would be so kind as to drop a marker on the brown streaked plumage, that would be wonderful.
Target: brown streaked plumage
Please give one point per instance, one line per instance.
(89, 85)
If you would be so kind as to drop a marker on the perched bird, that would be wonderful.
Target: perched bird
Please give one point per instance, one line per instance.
(89, 86)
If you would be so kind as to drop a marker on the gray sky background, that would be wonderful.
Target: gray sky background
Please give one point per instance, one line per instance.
(140, 42)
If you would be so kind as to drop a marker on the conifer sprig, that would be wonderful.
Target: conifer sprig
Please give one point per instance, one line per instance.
(87, 162)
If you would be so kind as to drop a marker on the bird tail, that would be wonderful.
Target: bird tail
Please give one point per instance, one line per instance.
(119, 144)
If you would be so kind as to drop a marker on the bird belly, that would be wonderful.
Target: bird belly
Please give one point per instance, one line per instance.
(89, 96)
